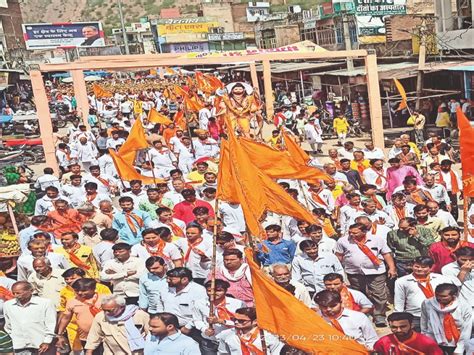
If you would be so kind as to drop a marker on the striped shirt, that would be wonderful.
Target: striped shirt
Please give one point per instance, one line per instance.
(407, 248)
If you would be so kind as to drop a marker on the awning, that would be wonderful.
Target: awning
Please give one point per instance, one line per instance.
(462, 68)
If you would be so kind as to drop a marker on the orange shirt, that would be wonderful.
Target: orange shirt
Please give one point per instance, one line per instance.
(70, 221)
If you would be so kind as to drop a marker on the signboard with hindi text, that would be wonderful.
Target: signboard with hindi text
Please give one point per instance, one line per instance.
(56, 35)
(375, 8)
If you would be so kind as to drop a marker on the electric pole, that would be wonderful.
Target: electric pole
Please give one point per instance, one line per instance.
(122, 23)
(347, 40)
(421, 63)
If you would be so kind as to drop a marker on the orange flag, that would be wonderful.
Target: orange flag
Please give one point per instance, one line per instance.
(264, 158)
(242, 182)
(401, 91)
(466, 146)
(128, 173)
(192, 105)
(179, 120)
(155, 117)
(280, 313)
(170, 71)
(296, 152)
(214, 82)
(202, 83)
(178, 90)
(136, 140)
(100, 92)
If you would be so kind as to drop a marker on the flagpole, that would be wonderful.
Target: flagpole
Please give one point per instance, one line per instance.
(152, 167)
(465, 208)
(214, 259)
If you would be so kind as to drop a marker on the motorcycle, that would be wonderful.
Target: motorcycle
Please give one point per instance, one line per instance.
(19, 154)
(355, 130)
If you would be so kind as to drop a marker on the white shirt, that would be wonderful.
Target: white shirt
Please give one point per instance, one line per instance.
(438, 192)
(46, 180)
(32, 324)
(75, 194)
(328, 199)
(101, 187)
(170, 253)
(447, 218)
(206, 148)
(347, 216)
(103, 252)
(174, 197)
(162, 159)
(356, 262)
(370, 176)
(181, 303)
(357, 326)
(124, 285)
(204, 115)
(232, 216)
(447, 180)
(377, 153)
(389, 223)
(45, 204)
(229, 343)
(200, 269)
(86, 152)
(467, 287)
(107, 166)
(347, 154)
(25, 264)
(200, 313)
(142, 195)
(409, 296)
(311, 272)
(312, 133)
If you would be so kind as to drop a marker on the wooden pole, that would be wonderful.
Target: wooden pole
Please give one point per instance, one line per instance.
(152, 167)
(214, 259)
(44, 119)
(267, 81)
(375, 104)
(80, 92)
(254, 76)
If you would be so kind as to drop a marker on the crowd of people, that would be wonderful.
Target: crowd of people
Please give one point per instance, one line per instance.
(109, 266)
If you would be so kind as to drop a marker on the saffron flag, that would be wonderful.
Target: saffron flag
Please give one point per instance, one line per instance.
(466, 146)
(128, 173)
(296, 152)
(136, 140)
(401, 91)
(179, 91)
(179, 120)
(264, 158)
(214, 82)
(242, 182)
(202, 83)
(192, 105)
(280, 313)
(156, 117)
(100, 92)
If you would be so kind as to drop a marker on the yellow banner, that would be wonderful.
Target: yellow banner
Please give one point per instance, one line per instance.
(202, 27)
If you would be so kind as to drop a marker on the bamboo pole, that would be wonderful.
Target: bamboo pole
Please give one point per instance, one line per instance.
(465, 210)
(214, 259)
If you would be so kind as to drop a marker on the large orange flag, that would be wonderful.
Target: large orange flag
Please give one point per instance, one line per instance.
(466, 140)
(128, 173)
(401, 91)
(264, 158)
(280, 313)
(242, 182)
(178, 90)
(296, 152)
(155, 117)
(136, 140)
(192, 105)
(179, 120)
(100, 92)
(214, 82)
(202, 83)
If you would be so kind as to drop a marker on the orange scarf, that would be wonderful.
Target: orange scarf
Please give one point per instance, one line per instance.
(91, 303)
(400, 212)
(451, 331)
(103, 181)
(177, 231)
(427, 290)
(403, 347)
(6, 294)
(131, 217)
(368, 252)
(360, 167)
(223, 312)
(454, 182)
(316, 198)
(348, 300)
(378, 205)
(337, 325)
(191, 247)
(374, 229)
(337, 163)
(75, 259)
(379, 180)
(247, 346)
(159, 249)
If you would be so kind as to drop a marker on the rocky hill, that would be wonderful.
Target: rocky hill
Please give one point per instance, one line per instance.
(98, 10)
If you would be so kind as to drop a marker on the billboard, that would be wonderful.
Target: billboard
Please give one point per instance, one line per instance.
(375, 8)
(54, 35)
